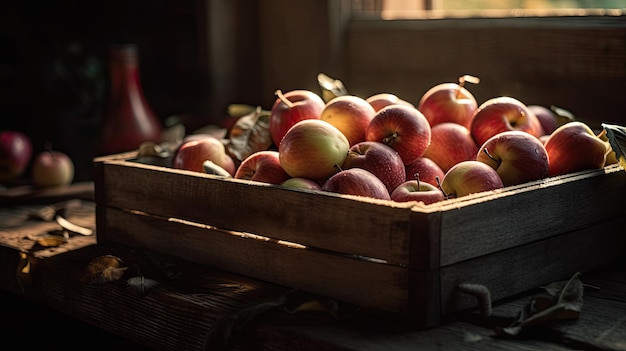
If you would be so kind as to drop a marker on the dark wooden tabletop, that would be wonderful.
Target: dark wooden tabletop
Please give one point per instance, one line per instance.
(166, 303)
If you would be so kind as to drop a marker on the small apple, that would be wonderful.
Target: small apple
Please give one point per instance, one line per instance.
(378, 158)
(517, 156)
(15, 154)
(469, 177)
(52, 168)
(301, 183)
(357, 181)
(548, 119)
(427, 170)
(262, 166)
(313, 149)
(381, 100)
(192, 154)
(574, 147)
(449, 102)
(291, 108)
(501, 114)
(414, 190)
(351, 115)
(403, 128)
(450, 143)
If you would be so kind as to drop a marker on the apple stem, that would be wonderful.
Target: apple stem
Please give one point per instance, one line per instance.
(466, 78)
(338, 168)
(282, 98)
(438, 181)
(489, 155)
(387, 140)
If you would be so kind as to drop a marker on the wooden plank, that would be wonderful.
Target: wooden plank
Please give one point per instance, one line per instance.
(533, 212)
(346, 278)
(348, 224)
(526, 267)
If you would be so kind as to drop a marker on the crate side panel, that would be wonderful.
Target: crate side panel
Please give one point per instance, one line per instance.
(524, 268)
(345, 278)
(314, 219)
(525, 216)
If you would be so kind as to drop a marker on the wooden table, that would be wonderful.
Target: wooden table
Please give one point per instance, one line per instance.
(195, 307)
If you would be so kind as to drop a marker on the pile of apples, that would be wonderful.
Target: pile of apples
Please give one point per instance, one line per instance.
(384, 147)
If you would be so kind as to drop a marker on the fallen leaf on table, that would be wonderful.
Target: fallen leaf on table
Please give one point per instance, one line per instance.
(563, 300)
(102, 270)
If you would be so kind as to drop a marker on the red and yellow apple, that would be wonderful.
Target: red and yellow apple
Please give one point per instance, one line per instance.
(52, 169)
(381, 100)
(449, 102)
(574, 147)
(302, 183)
(414, 190)
(262, 166)
(517, 156)
(291, 108)
(351, 115)
(15, 154)
(450, 143)
(426, 170)
(357, 181)
(470, 177)
(192, 154)
(378, 158)
(313, 149)
(501, 114)
(403, 128)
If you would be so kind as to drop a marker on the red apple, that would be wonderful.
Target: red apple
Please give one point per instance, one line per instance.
(574, 147)
(313, 149)
(381, 100)
(302, 183)
(469, 177)
(291, 108)
(403, 128)
(449, 102)
(414, 190)
(52, 168)
(517, 156)
(15, 154)
(450, 143)
(351, 115)
(378, 158)
(357, 181)
(262, 166)
(500, 114)
(192, 154)
(426, 170)
(548, 119)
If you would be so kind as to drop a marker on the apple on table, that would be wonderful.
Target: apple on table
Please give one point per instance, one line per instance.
(351, 115)
(15, 154)
(403, 128)
(517, 156)
(52, 168)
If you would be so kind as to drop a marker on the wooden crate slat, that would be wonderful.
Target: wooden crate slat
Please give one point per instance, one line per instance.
(349, 279)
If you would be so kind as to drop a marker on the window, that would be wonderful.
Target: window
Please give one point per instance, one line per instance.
(422, 9)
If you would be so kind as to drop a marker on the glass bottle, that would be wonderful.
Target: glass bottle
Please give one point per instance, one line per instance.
(128, 119)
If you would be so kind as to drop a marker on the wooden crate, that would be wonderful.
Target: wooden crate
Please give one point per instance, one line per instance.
(404, 258)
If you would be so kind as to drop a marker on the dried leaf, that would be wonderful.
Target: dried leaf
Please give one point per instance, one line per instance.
(51, 240)
(23, 274)
(141, 285)
(220, 333)
(103, 269)
(562, 300)
(211, 168)
(330, 87)
(329, 307)
(249, 134)
(617, 139)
